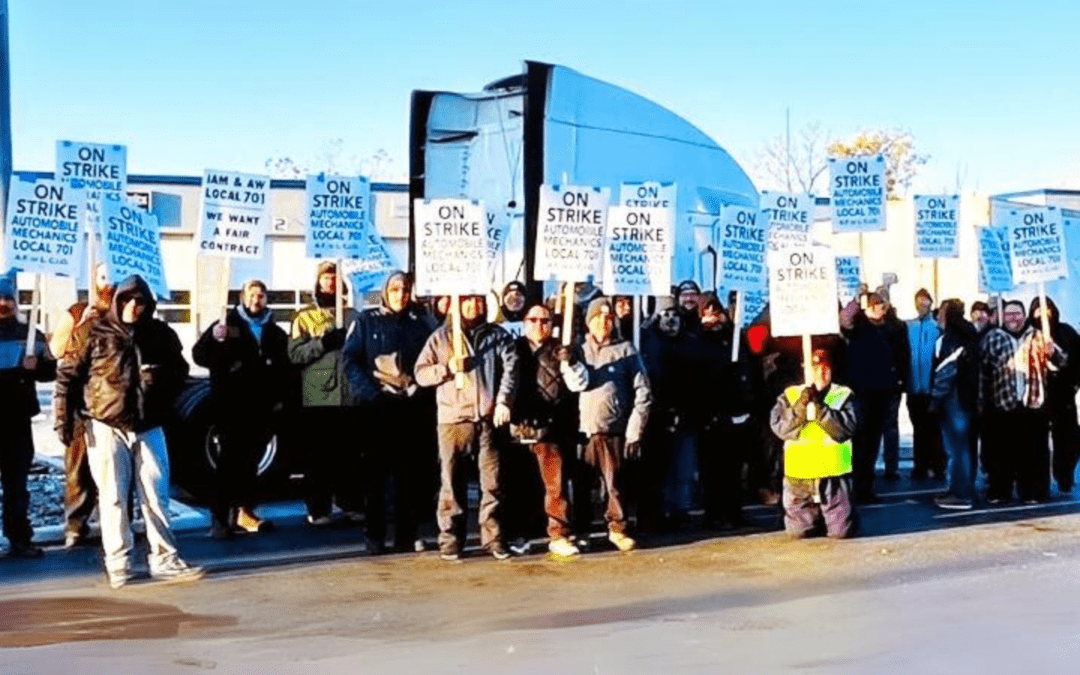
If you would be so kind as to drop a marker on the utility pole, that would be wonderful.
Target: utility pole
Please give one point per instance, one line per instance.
(5, 113)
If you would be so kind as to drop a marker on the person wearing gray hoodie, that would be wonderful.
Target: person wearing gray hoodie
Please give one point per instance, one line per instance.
(470, 409)
(614, 402)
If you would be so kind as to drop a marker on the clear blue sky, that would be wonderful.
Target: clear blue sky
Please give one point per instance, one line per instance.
(990, 87)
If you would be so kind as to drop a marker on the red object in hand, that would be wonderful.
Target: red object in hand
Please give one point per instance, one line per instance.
(756, 336)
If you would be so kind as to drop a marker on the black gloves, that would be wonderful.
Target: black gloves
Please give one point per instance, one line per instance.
(333, 339)
(462, 365)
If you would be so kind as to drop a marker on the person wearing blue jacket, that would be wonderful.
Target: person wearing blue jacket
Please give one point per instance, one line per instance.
(379, 356)
(923, 333)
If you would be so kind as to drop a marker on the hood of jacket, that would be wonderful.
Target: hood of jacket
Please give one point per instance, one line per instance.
(127, 287)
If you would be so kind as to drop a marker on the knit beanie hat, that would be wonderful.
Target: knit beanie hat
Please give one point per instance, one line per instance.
(598, 306)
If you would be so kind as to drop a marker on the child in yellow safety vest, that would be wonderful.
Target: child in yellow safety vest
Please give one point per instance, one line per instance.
(816, 423)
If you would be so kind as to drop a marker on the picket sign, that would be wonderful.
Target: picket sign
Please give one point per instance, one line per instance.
(568, 314)
(808, 369)
(32, 320)
(339, 294)
(737, 319)
(459, 338)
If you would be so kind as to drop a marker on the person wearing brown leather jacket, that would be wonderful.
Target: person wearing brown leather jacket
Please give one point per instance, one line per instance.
(125, 382)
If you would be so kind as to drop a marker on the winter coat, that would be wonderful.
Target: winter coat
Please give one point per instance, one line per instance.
(492, 380)
(922, 336)
(672, 363)
(531, 408)
(18, 396)
(129, 374)
(322, 376)
(878, 356)
(246, 376)
(727, 389)
(955, 370)
(381, 351)
(615, 395)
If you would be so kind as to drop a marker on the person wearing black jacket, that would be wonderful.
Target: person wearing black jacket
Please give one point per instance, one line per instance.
(954, 391)
(1061, 388)
(249, 374)
(877, 362)
(126, 381)
(545, 422)
(670, 352)
(725, 401)
(379, 356)
(18, 400)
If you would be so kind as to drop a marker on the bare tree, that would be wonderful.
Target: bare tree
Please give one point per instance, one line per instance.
(792, 163)
(332, 158)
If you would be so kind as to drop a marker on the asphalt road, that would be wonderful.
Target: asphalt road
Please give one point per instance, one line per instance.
(921, 591)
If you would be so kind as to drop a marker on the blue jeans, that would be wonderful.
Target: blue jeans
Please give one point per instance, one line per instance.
(956, 437)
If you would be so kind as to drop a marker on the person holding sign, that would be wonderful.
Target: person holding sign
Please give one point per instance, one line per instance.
(19, 371)
(1062, 386)
(1012, 396)
(126, 381)
(544, 420)
(816, 423)
(380, 355)
(468, 417)
(726, 399)
(315, 341)
(1040, 358)
(249, 378)
(68, 341)
(613, 407)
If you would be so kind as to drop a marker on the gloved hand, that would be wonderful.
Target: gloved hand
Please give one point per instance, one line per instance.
(501, 416)
(632, 450)
(461, 365)
(333, 339)
(809, 395)
(566, 354)
(397, 383)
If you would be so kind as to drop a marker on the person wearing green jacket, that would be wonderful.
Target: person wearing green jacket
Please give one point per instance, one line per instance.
(315, 345)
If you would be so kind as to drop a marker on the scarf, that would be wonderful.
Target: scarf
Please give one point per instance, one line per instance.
(255, 323)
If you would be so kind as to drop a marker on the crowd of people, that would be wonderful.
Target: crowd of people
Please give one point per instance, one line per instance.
(688, 413)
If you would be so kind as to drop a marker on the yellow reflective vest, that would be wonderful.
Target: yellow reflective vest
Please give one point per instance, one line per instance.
(814, 454)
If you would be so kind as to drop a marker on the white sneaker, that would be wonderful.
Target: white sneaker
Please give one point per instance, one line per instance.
(119, 579)
(563, 547)
(177, 571)
(319, 521)
(621, 541)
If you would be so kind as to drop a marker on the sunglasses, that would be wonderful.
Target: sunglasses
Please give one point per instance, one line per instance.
(538, 319)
